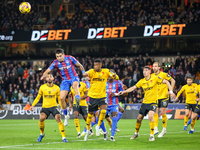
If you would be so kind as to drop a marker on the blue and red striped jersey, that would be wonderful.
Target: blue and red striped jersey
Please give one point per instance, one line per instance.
(114, 87)
(65, 68)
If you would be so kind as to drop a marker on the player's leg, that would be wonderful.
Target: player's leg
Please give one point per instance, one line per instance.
(43, 116)
(156, 119)
(76, 121)
(164, 121)
(121, 111)
(137, 126)
(194, 118)
(75, 86)
(186, 119)
(151, 124)
(57, 117)
(108, 120)
(114, 122)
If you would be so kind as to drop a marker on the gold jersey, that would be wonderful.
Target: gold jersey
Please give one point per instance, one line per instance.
(190, 92)
(150, 88)
(98, 82)
(162, 87)
(50, 95)
(82, 90)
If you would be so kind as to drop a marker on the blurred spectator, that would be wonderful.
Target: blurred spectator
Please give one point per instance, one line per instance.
(15, 94)
(31, 98)
(24, 98)
(20, 95)
(13, 100)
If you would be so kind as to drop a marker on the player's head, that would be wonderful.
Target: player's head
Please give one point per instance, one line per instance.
(60, 54)
(146, 71)
(109, 78)
(189, 80)
(49, 78)
(97, 65)
(156, 67)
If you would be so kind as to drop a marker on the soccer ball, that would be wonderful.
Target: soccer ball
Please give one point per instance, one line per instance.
(24, 7)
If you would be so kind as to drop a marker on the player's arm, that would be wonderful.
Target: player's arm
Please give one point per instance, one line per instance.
(128, 90)
(78, 64)
(169, 87)
(179, 93)
(88, 73)
(36, 99)
(51, 67)
(172, 83)
(113, 75)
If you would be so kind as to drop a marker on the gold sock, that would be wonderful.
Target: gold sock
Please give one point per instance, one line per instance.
(164, 120)
(137, 127)
(156, 118)
(110, 123)
(41, 126)
(151, 124)
(185, 120)
(61, 129)
(192, 124)
(101, 116)
(77, 125)
(88, 121)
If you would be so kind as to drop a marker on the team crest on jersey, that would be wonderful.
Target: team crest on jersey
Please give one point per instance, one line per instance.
(191, 89)
(159, 77)
(67, 61)
(147, 84)
(49, 92)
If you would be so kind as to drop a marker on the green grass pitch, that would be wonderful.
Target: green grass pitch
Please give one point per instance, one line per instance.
(23, 134)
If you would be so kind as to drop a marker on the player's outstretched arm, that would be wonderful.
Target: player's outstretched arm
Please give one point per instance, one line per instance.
(45, 73)
(35, 102)
(170, 88)
(78, 64)
(128, 90)
(179, 93)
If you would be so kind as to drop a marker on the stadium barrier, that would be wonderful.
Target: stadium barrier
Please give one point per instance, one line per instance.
(173, 30)
(16, 111)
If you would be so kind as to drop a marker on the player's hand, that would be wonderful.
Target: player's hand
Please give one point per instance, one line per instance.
(121, 93)
(112, 94)
(173, 95)
(125, 87)
(197, 99)
(176, 99)
(31, 108)
(85, 74)
(42, 77)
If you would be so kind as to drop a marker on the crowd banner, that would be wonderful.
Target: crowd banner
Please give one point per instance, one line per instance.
(148, 31)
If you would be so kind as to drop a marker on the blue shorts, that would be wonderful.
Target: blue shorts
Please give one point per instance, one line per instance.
(112, 108)
(66, 84)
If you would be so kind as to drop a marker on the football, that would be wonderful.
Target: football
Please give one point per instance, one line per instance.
(24, 7)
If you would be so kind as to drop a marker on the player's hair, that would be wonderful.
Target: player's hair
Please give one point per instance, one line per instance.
(50, 73)
(157, 63)
(147, 67)
(97, 61)
(59, 50)
(190, 77)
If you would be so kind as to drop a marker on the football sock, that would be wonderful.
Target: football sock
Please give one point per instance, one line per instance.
(101, 116)
(119, 116)
(103, 127)
(189, 122)
(156, 118)
(89, 120)
(65, 111)
(137, 127)
(185, 120)
(41, 126)
(114, 125)
(61, 129)
(164, 120)
(92, 124)
(192, 124)
(77, 125)
(151, 124)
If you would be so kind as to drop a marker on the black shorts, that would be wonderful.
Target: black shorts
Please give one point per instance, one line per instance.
(48, 111)
(83, 110)
(94, 103)
(163, 102)
(145, 108)
(107, 115)
(197, 110)
(190, 106)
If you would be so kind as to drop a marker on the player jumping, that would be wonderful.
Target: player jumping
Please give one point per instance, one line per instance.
(65, 64)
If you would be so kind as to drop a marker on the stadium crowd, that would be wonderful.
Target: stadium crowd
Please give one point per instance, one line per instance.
(20, 81)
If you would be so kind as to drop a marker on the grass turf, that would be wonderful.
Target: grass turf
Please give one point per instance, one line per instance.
(23, 134)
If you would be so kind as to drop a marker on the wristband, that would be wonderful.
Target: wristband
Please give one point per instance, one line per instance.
(83, 71)
(116, 94)
(171, 92)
